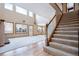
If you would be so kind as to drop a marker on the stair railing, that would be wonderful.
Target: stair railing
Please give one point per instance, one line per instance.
(48, 37)
(47, 25)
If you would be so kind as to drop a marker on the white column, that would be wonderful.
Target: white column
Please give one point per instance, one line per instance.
(2, 35)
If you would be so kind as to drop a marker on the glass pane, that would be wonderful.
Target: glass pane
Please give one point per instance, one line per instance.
(9, 6)
(21, 10)
(30, 14)
(21, 28)
(8, 27)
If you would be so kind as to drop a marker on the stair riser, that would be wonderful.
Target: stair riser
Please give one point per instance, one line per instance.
(54, 53)
(67, 29)
(68, 20)
(49, 52)
(69, 33)
(65, 48)
(74, 44)
(66, 45)
(65, 37)
(68, 23)
(71, 25)
(70, 15)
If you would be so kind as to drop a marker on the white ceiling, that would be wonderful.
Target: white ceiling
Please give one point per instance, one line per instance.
(42, 9)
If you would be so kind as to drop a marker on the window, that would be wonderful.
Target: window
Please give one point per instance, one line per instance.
(21, 28)
(30, 14)
(9, 6)
(8, 27)
(39, 29)
(43, 29)
(21, 10)
(70, 7)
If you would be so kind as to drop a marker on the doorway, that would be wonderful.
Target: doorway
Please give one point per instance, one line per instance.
(31, 30)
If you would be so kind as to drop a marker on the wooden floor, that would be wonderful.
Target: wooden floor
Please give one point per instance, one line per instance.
(35, 49)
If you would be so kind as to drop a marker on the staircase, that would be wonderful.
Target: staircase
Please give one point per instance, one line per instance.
(65, 39)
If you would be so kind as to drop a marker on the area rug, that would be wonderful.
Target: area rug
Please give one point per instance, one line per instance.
(21, 42)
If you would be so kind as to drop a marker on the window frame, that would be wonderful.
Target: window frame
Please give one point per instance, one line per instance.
(30, 13)
(40, 33)
(21, 32)
(71, 9)
(7, 7)
(23, 13)
(12, 27)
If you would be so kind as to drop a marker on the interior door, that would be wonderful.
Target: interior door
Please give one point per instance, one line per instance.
(30, 30)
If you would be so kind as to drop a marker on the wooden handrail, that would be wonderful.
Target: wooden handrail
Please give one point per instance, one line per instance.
(49, 39)
(51, 20)
(55, 14)
(58, 7)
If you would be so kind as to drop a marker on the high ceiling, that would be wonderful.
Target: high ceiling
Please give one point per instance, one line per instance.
(42, 9)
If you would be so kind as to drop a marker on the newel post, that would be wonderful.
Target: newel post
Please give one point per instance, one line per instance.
(47, 42)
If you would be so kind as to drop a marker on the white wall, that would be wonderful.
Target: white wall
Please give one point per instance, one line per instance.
(60, 5)
(55, 21)
(76, 6)
(14, 16)
(41, 20)
(43, 9)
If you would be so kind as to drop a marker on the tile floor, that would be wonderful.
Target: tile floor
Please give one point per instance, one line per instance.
(34, 49)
